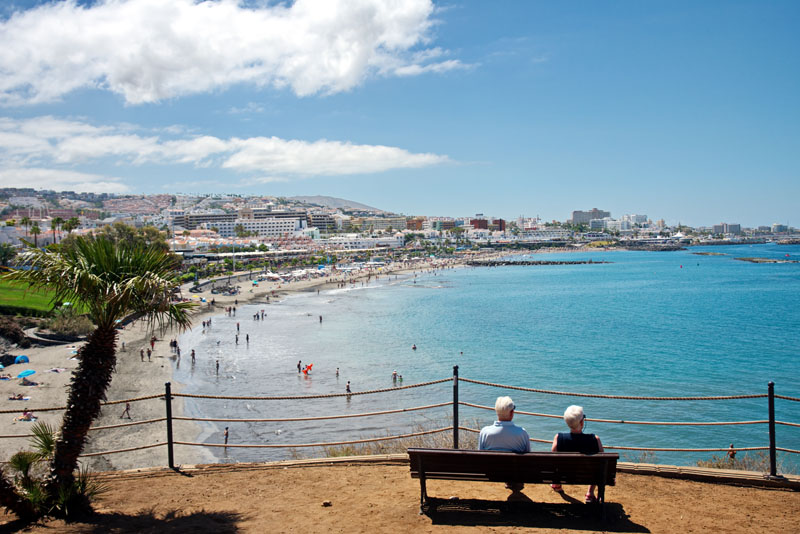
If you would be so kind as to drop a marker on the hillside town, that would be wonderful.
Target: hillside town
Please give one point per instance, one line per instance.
(325, 225)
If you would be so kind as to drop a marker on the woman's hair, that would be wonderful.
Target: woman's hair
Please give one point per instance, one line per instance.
(573, 416)
(504, 406)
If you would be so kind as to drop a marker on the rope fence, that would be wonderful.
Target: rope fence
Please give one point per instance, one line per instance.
(620, 397)
(622, 421)
(139, 448)
(455, 403)
(659, 449)
(325, 444)
(107, 403)
(306, 397)
(317, 418)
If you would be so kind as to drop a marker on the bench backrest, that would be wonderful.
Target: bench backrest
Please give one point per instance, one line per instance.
(531, 467)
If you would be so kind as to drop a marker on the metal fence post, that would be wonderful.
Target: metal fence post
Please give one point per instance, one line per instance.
(772, 452)
(455, 406)
(168, 402)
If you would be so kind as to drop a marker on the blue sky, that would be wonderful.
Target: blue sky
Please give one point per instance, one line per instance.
(686, 111)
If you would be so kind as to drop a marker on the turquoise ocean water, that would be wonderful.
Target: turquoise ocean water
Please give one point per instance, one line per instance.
(647, 324)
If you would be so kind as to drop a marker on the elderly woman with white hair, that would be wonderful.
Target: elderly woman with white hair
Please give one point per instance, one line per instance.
(576, 441)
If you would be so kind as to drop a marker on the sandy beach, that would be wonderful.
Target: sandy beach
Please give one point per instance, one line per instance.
(134, 378)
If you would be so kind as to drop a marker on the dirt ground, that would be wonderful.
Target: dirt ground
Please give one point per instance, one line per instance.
(375, 498)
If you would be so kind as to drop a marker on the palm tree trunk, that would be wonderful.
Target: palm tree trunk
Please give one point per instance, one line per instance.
(10, 499)
(87, 390)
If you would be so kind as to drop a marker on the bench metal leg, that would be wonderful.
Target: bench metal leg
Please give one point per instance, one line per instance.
(601, 499)
(423, 494)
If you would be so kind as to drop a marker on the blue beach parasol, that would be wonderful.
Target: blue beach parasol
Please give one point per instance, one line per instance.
(21, 359)
(26, 372)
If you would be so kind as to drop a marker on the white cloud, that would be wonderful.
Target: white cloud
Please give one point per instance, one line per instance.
(61, 180)
(321, 158)
(149, 50)
(42, 141)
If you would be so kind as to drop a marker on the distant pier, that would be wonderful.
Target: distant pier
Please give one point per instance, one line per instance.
(502, 263)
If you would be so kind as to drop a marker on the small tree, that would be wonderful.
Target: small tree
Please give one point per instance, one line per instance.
(35, 230)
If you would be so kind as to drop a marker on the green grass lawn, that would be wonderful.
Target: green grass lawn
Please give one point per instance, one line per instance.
(15, 295)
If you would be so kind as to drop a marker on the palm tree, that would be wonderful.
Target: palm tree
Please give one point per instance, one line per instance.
(35, 230)
(55, 224)
(71, 224)
(25, 221)
(110, 281)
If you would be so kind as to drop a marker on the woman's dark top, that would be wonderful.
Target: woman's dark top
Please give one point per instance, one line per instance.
(577, 442)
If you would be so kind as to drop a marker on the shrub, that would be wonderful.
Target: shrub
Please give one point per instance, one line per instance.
(12, 331)
(757, 461)
(30, 469)
(69, 323)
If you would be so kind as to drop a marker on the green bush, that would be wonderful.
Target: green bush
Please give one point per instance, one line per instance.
(69, 323)
(29, 470)
(757, 461)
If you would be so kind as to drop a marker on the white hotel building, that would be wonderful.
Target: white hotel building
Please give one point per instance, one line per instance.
(359, 242)
(268, 227)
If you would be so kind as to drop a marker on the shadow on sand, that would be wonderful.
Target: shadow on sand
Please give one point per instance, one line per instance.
(144, 522)
(570, 515)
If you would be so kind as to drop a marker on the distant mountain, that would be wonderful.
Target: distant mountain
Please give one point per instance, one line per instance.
(333, 202)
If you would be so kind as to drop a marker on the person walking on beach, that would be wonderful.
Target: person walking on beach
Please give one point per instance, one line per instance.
(127, 411)
(247, 338)
(192, 355)
(225, 435)
(149, 352)
(347, 387)
(299, 366)
(337, 372)
(217, 366)
(141, 353)
(237, 327)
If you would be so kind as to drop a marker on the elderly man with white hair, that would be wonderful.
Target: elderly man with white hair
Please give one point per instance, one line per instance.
(576, 441)
(505, 436)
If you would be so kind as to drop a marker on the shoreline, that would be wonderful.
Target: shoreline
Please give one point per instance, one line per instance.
(133, 378)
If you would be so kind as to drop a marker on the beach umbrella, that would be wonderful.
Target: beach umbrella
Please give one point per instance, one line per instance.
(26, 372)
(21, 359)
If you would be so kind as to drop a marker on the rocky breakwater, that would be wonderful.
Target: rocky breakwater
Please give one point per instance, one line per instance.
(502, 263)
(766, 260)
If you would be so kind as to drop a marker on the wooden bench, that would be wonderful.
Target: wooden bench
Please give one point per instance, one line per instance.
(530, 468)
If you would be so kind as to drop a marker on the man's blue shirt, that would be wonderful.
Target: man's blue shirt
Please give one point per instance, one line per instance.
(504, 436)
